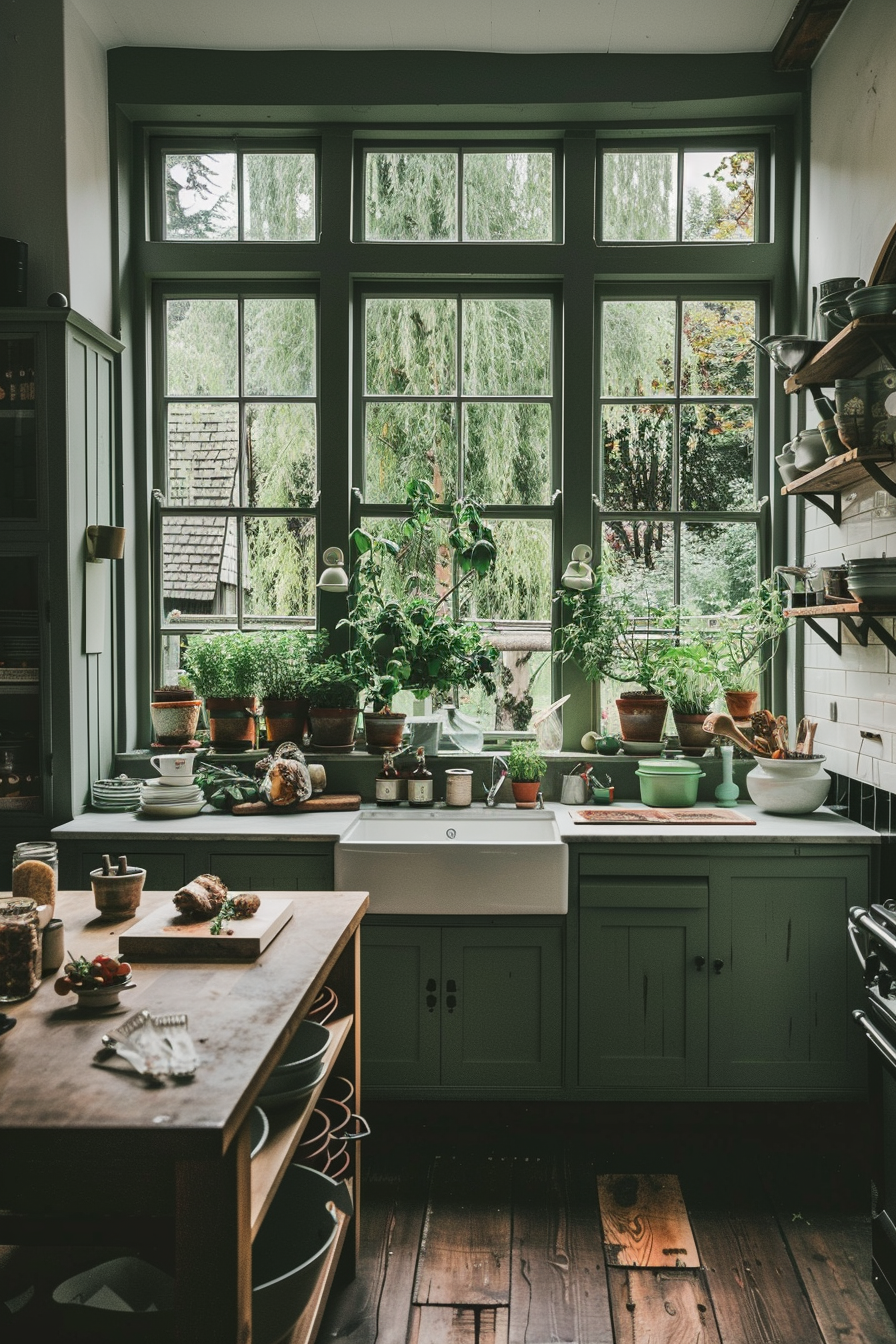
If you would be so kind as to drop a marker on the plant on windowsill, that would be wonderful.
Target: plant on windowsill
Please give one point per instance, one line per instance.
(333, 688)
(689, 677)
(526, 766)
(744, 644)
(284, 661)
(175, 715)
(224, 669)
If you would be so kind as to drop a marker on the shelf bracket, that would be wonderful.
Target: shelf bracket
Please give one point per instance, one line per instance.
(831, 509)
(833, 641)
(879, 478)
(873, 624)
(859, 628)
(883, 347)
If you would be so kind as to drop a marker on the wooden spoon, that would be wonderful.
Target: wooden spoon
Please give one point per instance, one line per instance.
(810, 738)
(722, 725)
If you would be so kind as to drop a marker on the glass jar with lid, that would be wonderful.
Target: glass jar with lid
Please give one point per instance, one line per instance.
(35, 872)
(20, 949)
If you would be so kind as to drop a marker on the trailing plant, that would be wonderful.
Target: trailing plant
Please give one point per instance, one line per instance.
(606, 643)
(525, 762)
(223, 664)
(333, 683)
(747, 638)
(285, 658)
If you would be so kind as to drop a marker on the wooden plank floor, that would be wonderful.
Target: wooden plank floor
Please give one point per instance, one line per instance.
(478, 1241)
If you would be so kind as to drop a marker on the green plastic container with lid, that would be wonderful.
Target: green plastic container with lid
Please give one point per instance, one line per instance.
(669, 783)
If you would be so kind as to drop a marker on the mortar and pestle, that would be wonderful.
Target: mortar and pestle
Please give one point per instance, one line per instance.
(117, 893)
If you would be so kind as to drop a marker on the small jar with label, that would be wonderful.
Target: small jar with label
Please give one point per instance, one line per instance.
(420, 782)
(458, 788)
(386, 783)
(20, 949)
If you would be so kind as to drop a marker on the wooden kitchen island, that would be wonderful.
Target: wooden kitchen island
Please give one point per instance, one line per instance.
(96, 1154)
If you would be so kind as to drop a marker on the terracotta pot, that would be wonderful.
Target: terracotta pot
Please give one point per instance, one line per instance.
(525, 791)
(333, 728)
(741, 704)
(642, 717)
(174, 721)
(231, 721)
(117, 895)
(383, 731)
(285, 720)
(690, 733)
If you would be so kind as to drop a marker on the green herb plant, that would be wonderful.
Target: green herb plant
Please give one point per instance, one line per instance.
(606, 643)
(525, 762)
(285, 659)
(747, 638)
(224, 785)
(334, 683)
(223, 664)
(687, 675)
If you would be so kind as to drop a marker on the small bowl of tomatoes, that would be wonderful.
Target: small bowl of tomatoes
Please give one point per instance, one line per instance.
(97, 983)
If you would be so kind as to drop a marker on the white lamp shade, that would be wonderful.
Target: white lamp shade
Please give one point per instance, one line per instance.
(333, 578)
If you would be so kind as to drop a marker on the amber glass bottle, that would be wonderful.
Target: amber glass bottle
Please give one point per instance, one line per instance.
(420, 783)
(387, 783)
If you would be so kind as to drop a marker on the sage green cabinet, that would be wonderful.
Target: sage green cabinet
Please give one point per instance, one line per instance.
(467, 1007)
(302, 870)
(642, 982)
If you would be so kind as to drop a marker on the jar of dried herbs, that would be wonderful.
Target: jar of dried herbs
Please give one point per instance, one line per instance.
(20, 950)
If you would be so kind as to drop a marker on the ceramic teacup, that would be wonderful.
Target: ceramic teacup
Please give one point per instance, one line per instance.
(174, 767)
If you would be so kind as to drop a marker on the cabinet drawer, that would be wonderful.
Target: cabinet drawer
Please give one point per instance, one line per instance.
(300, 871)
(645, 893)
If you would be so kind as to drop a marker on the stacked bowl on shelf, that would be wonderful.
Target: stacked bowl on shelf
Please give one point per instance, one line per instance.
(116, 795)
(872, 301)
(170, 797)
(873, 580)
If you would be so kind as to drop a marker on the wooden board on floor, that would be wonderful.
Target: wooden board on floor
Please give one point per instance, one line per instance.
(558, 1286)
(458, 1325)
(465, 1250)
(645, 1222)
(666, 1306)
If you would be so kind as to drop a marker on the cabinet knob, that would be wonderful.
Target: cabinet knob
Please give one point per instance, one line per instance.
(699, 962)
(451, 1003)
(717, 965)
(451, 987)
(431, 1001)
(431, 986)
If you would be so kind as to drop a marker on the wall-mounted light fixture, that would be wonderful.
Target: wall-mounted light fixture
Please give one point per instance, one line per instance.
(578, 573)
(105, 543)
(333, 579)
(101, 543)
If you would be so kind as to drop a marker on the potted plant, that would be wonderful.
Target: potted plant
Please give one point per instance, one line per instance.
(745, 645)
(284, 659)
(526, 766)
(333, 690)
(175, 715)
(689, 677)
(224, 669)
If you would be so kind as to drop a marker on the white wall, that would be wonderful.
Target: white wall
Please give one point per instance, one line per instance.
(87, 172)
(852, 209)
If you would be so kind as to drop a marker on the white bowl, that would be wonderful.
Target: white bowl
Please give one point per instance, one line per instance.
(643, 748)
(173, 810)
(793, 792)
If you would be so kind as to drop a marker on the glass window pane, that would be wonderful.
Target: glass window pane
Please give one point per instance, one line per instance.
(18, 428)
(411, 197)
(278, 197)
(640, 197)
(719, 192)
(520, 588)
(507, 347)
(640, 558)
(638, 348)
(716, 456)
(508, 197)
(278, 336)
(405, 440)
(201, 348)
(203, 452)
(507, 452)
(637, 457)
(718, 565)
(420, 570)
(411, 346)
(199, 570)
(281, 455)
(200, 196)
(717, 357)
(279, 559)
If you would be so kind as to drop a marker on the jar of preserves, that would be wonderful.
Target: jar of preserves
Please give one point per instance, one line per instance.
(20, 949)
(35, 872)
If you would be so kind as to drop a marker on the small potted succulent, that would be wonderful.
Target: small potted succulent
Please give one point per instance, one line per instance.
(526, 766)
(333, 689)
(224, 667)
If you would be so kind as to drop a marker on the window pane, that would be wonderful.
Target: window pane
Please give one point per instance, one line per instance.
(640, 558)
(507, 452)
(637, 457)
(507, 347)
(201, 348)
(411, 197)
(404, 440)
(508, 197)
(278, 336)
(200, 196)
(640, 197)
(279, 557)
(717, 357)
(281, 456)
(420, 570)
(638, 348)
(203, 452)
(278, 197)
(718, 197)
(716, 456)
(520, 587)
(411, 346)
(199, 568)
(718, 565)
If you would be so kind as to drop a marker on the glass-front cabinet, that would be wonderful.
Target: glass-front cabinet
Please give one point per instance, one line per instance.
(21, 787)
(18, 429)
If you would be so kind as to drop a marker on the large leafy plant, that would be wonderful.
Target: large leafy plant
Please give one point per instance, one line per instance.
(224, 664)
(600, 636)
(746, 638)
(687, 675)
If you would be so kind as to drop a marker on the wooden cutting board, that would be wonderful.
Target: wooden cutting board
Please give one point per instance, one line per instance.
(324, 802)
(662, 816)
(166, 936)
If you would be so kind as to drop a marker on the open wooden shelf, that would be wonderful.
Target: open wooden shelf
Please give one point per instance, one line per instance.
(861, 618)
(851, 608)
(308, 1324)
(287, 1127)
(859, 343)
(838, 473)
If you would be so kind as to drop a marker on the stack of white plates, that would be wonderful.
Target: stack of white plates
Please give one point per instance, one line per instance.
(116, 795)
(159, 798)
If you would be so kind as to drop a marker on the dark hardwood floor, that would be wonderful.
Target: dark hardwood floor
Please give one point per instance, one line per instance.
(488, 1224)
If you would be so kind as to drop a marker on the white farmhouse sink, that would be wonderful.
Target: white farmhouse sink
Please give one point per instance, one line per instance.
(442, 862)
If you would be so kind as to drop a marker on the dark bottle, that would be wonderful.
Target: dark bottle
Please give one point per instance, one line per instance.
(387, 783)
(420, 783)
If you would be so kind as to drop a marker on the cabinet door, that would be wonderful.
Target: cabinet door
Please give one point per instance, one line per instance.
(164, 872)
(642, 989)
(780, 1003)
(275, 872)
(502, 1020)
(400, 984)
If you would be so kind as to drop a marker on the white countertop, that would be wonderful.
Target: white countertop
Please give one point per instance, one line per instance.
(818, 828)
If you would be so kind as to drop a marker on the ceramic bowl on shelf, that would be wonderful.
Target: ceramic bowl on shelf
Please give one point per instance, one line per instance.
(789, 787)
(790, 353)
(872, 301)
(643, 748)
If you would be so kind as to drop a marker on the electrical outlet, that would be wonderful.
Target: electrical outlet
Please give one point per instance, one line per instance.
(871, 737)
(832, 711)
(884, 505)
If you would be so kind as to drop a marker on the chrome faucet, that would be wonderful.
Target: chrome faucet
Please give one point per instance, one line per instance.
(491, 794)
